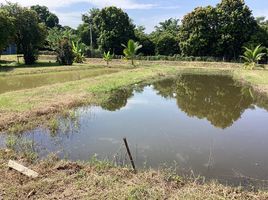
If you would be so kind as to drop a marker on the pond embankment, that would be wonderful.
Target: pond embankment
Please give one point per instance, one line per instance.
(100, 180)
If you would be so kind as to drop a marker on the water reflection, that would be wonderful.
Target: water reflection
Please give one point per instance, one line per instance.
(219, 100)
(118, 99)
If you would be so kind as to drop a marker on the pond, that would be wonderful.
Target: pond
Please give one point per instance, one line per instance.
(21, 82)
(208, 124)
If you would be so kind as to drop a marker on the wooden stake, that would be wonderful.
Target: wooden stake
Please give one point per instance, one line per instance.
(129, 154)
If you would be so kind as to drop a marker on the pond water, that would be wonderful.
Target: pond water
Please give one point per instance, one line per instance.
(20, 82)
(208, 124)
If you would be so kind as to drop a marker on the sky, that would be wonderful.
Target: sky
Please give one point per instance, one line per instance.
(146, 13)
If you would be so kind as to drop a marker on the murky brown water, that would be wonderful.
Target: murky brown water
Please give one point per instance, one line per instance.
(208, 124)
(20, 82)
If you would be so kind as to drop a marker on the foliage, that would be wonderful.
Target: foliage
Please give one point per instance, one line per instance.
(65, 54)
(115, 28)
(107, 57)
(84, 29)
(236, 25)
(171, 26)
(29, 33)
(252, 56)
(165, 37)
(130, 50)
(46, 17)
(148, 46)
(217, 31)
(167, 44)
(198, 33)
(78, 50)
(6, 28)
(59, 40)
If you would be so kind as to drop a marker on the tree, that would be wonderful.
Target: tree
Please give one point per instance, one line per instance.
(115, 28)
(252, 56)
(52, 21)
(29, 33)
(59, 40)
(45, 16)
(167, 44)
(131, 50)
(148, 46)
(6, 28)
(65, 54)
(171, 26)
(198, 33)
(236, 25)
(88, 30)
(260, 36)
(165, 37)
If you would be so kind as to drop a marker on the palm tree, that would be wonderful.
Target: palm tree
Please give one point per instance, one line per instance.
(252, 56)
(107, 57)
(131, 50)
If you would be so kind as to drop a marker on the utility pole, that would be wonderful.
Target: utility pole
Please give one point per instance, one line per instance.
(91, 40)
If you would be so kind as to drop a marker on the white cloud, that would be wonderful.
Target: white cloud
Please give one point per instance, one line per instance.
(125, 4)
(71, 19)
(260, 12)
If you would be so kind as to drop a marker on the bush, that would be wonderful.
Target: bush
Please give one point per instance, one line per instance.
(65, 55)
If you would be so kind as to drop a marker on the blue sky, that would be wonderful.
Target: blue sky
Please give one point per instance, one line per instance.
(144, 12)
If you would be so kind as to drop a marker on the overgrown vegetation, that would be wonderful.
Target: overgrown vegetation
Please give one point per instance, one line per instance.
(101, 180)
(253, 55)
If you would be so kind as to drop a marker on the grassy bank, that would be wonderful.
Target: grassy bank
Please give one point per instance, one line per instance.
(100, 180)
(26, 108)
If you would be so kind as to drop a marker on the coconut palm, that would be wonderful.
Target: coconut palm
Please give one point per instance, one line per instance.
(252, 56)
(131, 50)
(107, 57)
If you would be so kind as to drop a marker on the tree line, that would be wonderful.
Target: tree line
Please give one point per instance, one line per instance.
(221, 31)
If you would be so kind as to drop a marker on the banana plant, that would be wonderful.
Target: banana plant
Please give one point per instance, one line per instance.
(107, 56)
(78, 50)
(130, 50)
(252, 56)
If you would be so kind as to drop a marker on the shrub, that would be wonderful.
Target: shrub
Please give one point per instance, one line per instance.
(65, 55)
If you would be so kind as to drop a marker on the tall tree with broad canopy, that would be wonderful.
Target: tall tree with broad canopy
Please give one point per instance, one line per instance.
(198, 34)
(45, 16)
(165, 37)
(29, 33)
(115, 28)
(6, 28)
(236, 25)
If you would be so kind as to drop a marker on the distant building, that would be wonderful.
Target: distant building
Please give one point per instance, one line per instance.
(11, 49)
